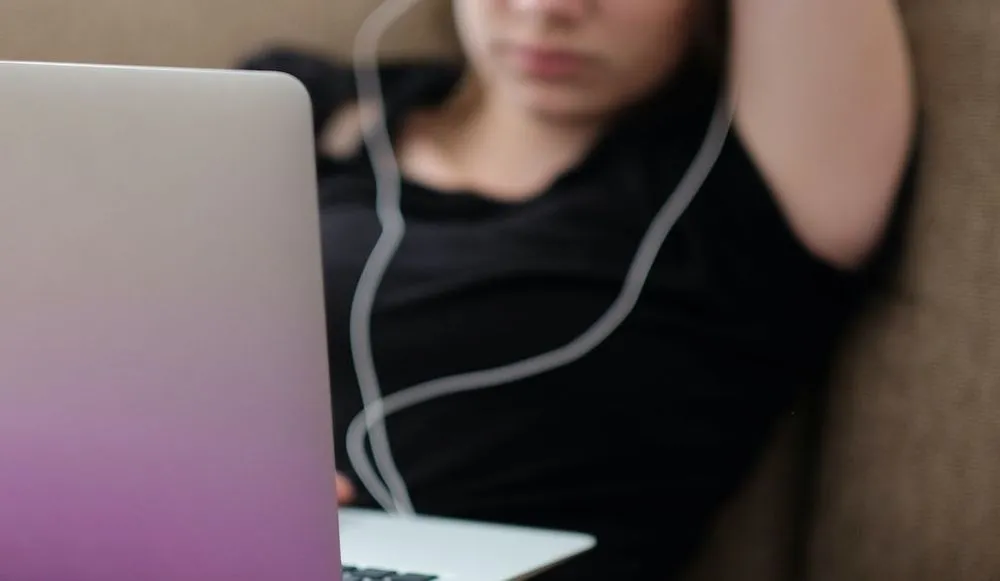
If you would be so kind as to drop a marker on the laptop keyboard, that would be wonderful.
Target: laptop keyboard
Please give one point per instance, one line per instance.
(368, 574)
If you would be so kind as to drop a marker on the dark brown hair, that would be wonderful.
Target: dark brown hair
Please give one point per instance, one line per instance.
(712, 44)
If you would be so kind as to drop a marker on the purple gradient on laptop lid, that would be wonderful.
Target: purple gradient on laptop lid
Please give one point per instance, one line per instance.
(164, 397)
(155, 483)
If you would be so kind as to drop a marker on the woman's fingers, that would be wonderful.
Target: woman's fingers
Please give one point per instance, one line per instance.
(345, 489)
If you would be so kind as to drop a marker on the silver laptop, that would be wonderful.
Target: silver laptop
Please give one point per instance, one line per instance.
(164, 401)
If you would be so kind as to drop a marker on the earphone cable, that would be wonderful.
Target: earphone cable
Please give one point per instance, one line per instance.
(394, 495)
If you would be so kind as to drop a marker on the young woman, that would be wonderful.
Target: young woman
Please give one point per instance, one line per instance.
(531, 173)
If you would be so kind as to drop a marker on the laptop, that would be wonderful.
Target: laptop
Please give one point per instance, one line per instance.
(164, 401)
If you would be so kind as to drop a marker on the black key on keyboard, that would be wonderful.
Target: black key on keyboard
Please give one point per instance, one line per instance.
(368, 574)
(373, 574)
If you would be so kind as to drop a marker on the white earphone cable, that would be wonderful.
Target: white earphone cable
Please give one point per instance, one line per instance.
(394, 496)
(387, 184)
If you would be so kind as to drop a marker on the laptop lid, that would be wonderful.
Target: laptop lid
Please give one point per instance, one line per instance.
(164, 401)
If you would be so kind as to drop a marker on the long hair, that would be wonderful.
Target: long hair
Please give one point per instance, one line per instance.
(712, 43)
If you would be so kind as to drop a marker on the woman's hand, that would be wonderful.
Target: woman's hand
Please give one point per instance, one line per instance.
(345, 490)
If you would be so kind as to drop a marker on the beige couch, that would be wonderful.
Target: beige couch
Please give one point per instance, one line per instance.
(897, 476)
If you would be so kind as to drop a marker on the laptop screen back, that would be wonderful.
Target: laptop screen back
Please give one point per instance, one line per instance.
(164, 405)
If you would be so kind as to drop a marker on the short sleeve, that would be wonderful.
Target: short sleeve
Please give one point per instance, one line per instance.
(331, 82)
(762, 268)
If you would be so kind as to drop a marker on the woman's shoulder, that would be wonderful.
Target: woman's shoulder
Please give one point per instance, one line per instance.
(331, 81)
(689, 138)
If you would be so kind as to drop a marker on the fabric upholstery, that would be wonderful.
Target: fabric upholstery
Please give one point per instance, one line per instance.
(910, 481)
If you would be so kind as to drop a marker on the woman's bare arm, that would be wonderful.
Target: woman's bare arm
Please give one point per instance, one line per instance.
(826, 107)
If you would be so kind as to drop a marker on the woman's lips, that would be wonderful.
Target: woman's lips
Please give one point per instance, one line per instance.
(547, 63)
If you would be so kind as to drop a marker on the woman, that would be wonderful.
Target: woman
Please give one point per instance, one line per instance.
(530, 176)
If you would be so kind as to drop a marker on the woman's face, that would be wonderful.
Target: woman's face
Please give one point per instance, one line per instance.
(573, 58)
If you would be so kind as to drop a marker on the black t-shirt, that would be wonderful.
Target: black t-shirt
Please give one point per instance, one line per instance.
(639, 441)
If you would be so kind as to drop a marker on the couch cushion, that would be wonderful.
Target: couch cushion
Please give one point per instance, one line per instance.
(910, 489)
(210, 33)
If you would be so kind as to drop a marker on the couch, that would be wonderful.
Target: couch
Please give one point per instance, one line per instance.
(890, 474)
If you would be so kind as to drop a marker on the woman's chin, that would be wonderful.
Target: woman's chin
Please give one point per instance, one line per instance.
(561, 105)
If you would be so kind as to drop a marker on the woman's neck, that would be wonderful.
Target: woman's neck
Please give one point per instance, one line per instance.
(481, 142)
